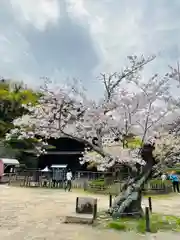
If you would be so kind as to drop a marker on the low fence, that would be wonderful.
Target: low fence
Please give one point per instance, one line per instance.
(45, 179)
(28, 180)
(90, 181)
(152, 187)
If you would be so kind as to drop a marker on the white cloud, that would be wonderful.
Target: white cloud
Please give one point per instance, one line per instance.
(39, 13)
(14, 52)
(116, 33)
(77, 8)
(121, 28)
(38, 36)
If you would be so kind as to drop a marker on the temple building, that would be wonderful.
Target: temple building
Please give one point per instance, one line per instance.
(66, 151)
(69, 152)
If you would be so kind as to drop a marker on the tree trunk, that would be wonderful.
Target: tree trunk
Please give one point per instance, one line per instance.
(128, 203)
(133, 209)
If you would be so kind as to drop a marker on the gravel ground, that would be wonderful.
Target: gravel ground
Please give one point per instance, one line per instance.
(28, 214)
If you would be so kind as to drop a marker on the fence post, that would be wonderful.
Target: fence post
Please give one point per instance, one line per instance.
(147, 219)
(110, 200)
(95, 210)
(10, 176)
(150, 204)
(77, 202)
(85, 185)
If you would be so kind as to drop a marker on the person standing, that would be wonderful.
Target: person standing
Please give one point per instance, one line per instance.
(175, 181)
(163, 177)
(68, 180)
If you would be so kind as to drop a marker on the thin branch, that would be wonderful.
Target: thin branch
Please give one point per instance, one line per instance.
(108, 81)
(88, 143)
(132, 71)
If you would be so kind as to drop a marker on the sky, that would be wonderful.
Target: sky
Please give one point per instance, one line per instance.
(63, 39)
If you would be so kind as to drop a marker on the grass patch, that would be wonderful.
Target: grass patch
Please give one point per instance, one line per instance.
(161, 196)
(157, 223)
(120, 226)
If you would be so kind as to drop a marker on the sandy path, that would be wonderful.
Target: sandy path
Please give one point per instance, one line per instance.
(27, 214)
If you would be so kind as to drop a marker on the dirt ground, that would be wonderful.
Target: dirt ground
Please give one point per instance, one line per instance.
(28, 214)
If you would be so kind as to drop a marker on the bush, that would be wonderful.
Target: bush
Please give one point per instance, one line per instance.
(167, 183)
(154, 186)
(176, 169)
(98, 182)
(101, 182)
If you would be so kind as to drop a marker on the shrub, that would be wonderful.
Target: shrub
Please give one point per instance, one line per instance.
(176, 169)
(98, 182)
(101, 181)
(154, 184)
(157, 223)
(159, 182)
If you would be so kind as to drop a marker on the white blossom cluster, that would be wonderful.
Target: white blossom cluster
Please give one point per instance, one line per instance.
(122, 156)
(167, 148)
(39, 146)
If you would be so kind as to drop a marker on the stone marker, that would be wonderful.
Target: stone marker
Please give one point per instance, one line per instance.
(85, 205)
(86, 211)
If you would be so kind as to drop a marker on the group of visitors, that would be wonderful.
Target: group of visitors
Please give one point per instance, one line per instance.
(174, 179)
(60, 178)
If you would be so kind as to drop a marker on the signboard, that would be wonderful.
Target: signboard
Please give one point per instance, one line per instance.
(86, 205)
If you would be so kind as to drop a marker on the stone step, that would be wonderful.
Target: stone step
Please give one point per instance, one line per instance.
(79, 218)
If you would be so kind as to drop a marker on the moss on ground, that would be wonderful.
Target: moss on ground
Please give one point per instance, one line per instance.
(158, 222)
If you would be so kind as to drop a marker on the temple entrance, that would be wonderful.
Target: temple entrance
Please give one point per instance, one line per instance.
(66, 151)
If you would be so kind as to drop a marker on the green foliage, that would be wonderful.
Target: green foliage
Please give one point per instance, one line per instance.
(26, 150)
(18, 152)
(101, 181)
(17, 93)
(30, 161)
(120, 226)
(99, 186)
(134, 142)
(159, 182)
(6, 151)
(11, 104)
(12, 97)
(98, 182)
(175, 169)
(157, 223)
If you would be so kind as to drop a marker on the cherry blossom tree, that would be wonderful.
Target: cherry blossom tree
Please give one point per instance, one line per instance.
(142, 111)
(174, 125)
(167, 149)
(65, 110)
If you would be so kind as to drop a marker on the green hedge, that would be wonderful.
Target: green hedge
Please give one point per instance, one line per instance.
(101, 182)
(98, 182)
(158, 182)
(177, 170)
(154, 184)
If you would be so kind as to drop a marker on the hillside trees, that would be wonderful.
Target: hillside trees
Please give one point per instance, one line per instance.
(12, 97)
